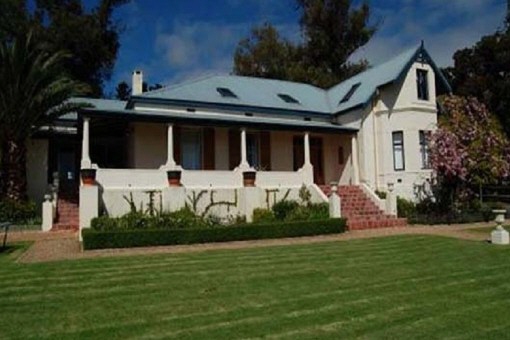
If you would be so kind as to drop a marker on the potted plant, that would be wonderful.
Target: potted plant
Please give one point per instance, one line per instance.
(249, 178)
(174, 178)
(88, 176)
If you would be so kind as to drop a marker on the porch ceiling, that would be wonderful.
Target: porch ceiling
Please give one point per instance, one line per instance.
(220, 120)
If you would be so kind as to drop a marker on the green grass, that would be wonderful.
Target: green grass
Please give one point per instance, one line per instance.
(396, 287)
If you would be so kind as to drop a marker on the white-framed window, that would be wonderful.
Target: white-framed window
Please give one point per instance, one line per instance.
(398, 150)
(191, 149)
(422, 84)
(424, 149)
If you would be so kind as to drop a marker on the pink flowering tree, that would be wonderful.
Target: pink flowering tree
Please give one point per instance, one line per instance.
(469, 147)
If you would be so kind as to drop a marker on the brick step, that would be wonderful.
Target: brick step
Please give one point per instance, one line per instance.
(361, 212)
(67, 212)
(65, 227)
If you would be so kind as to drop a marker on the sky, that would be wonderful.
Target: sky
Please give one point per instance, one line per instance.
(175, 40)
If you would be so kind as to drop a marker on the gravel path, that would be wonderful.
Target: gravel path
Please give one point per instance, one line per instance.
(55, 246)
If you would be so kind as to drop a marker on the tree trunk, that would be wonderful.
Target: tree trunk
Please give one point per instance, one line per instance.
(14, 175)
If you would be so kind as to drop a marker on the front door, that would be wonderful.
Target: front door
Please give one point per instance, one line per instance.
(317, 160)
(67, 169)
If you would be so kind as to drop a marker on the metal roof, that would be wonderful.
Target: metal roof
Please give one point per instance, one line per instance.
(250, 92)
(218, 119)
(102, 104)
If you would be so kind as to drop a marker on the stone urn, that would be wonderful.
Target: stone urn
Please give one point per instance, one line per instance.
(174, 178)
(88, 176)
(499, 235)
(249, 178)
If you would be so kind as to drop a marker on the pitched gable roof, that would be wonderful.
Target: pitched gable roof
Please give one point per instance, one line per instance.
(375, 77)
(245, 93)
(248, 92)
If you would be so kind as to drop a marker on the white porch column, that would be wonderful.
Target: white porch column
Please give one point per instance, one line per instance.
(307, 148)
(85, 157)
(354, 159)
(244, 159)
(170, 161)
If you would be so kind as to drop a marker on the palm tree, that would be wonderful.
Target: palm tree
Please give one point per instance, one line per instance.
(33, 91)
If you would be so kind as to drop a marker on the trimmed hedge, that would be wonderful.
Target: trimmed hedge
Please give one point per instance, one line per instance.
(93, 239)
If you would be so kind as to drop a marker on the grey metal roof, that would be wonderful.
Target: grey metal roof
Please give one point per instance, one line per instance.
(262, 93)
(102, 104)
(218, 119)
(249, 91)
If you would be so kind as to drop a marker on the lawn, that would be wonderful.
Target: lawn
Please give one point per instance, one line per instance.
(395, 287)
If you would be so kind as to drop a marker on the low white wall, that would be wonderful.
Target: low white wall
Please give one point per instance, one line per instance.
(207, 179)
(201, 190)
(279, 179)
(131, 178)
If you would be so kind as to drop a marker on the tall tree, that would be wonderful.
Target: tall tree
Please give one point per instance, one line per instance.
(91, 36)
(483, 71)
(122, 91)
(332, 31)
(33, 91)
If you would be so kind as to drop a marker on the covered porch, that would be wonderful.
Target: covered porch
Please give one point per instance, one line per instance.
(132, 157)
(138, 153)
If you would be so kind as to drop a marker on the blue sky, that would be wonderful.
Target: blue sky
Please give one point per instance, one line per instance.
(175, 40)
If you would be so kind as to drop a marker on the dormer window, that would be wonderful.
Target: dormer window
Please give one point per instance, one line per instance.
(227, 93)
(349, 93)
(288, 99)
(422, 84)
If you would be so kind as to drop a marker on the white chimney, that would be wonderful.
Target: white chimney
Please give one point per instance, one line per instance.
(137, 86)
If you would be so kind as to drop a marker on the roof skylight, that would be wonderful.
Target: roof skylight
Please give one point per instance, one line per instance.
(288, 99)
(226, 92)
(349, 93)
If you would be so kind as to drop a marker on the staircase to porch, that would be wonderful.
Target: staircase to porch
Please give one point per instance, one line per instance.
(361, 212)
(67, 211)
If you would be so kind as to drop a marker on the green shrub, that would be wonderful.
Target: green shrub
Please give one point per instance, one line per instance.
(318, 211)
(18, 212)
(381, 194)
(263, 216)
(95, 239)
(183, 218)
(405, 208)
(283, 208)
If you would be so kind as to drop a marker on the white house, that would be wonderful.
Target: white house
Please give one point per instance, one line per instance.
(365, 133)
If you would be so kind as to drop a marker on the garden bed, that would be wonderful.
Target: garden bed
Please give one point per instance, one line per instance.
(98, 239)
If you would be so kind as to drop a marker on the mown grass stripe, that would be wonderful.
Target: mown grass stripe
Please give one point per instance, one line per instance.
(254, 292)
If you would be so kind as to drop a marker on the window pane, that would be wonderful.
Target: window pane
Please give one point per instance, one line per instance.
(399, 158)
(424, 150)
(252, 150)
(422, 84)
(398, 150)
(191, 149)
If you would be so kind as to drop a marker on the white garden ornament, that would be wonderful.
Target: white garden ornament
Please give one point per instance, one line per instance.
(499, 235)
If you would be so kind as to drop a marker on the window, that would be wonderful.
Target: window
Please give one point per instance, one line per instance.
(424, 149)
(226, 92)
(191, 149)
(422, 84)
(252, 150)
(398, 151)
(288, 99)
(349, 94)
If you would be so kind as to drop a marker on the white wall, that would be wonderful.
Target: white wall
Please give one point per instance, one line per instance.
(397, 109)
(37, 169)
